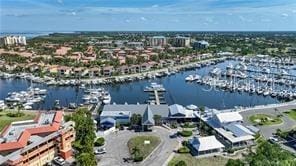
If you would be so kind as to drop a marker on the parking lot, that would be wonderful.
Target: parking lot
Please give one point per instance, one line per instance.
(118, 154)
(267, 131)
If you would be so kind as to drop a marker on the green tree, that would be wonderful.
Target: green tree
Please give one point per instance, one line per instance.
(181, 163)
(85, 137)
(157, 119)
(201, 113)
(232, 162)
(136, 120)
(270, 154)
(86, 159)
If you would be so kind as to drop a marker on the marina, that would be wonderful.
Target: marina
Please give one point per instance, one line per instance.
(243, 76)
(156, 94)
(237, 88)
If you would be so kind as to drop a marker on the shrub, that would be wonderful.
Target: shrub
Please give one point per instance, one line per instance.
(181, 163)
(189, 125)
(184, 143)
(185, 133)
(183, 149)
(230, 150)
(14, 115)
(138, 158)
(100, 141)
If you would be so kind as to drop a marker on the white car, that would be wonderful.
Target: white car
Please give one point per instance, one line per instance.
(273, 140)
(59, 161)
(100, 151)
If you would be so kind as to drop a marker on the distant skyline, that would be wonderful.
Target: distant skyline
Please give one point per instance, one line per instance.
(144, 15)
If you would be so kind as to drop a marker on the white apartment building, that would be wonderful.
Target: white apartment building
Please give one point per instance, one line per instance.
(13, 40)
(158, 41)
(181, 41)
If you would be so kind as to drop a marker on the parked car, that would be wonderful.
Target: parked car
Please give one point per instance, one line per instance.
(100, 151)
(273, 140)
(175, 135)
(59, 161)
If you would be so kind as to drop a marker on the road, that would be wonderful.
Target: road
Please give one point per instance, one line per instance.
(117, 150)
(267, 131)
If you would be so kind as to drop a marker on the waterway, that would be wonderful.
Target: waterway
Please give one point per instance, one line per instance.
(177, 91)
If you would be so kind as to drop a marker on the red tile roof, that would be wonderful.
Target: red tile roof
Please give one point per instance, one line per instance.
(26, 134)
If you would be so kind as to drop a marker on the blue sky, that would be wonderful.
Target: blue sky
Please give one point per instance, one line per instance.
(154, 15)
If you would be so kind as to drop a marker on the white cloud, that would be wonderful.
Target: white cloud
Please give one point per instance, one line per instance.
(73, 13)
(154, 6)
(143, 19)
(127, 20)
(293, 11)
(285, 15)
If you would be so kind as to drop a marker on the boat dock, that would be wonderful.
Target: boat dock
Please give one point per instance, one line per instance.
(156, 94)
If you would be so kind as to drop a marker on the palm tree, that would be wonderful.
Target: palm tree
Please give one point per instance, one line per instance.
(135, 151)
(201, 113)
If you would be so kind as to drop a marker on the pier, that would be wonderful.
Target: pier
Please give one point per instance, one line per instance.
(156, 95)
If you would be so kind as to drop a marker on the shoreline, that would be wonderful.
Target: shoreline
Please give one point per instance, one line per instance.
(118, 78)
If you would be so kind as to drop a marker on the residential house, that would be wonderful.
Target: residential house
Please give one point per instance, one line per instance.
(108, 70)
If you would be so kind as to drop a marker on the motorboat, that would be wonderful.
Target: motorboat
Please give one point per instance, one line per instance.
(106, 98)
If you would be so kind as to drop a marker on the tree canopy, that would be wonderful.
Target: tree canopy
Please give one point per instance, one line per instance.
(85, 137)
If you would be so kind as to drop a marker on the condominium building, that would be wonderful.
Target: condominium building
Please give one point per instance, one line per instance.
(200, 44)
(181, 41)
(158, 41)
(36, 142)
(13, 40)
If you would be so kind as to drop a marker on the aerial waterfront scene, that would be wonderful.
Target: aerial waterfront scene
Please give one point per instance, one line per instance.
(148, 83)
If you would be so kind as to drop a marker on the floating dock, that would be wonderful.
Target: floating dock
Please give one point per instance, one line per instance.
(156, 94)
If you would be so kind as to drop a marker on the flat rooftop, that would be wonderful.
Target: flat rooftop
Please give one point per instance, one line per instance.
(13, 132)
(17, 135)
(113, 109)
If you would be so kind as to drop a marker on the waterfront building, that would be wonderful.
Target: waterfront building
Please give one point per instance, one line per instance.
(122, 113)
(38, 141)
(200, 45)
(13, 40)
(179, 112)
(181, 41)
(205, 146)
(158, 41)
(108, 70)
(229, 129)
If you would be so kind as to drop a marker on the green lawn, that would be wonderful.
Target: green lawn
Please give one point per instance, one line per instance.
(264, 119)
(6, 120)
(291, 114)
(192, 161)
(145, 149)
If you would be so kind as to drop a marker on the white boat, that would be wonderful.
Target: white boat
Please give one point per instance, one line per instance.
(189, 78)
(192, 77)
(82, 86)
(284, 72)
(216, 71)
(106, 98)
(266, 70)
(230, 66)
(28, 107)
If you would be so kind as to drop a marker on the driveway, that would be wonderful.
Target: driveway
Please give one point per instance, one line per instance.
(117, 150)
(267, 131)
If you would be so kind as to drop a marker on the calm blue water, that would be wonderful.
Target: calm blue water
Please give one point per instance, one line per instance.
(178, 91)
